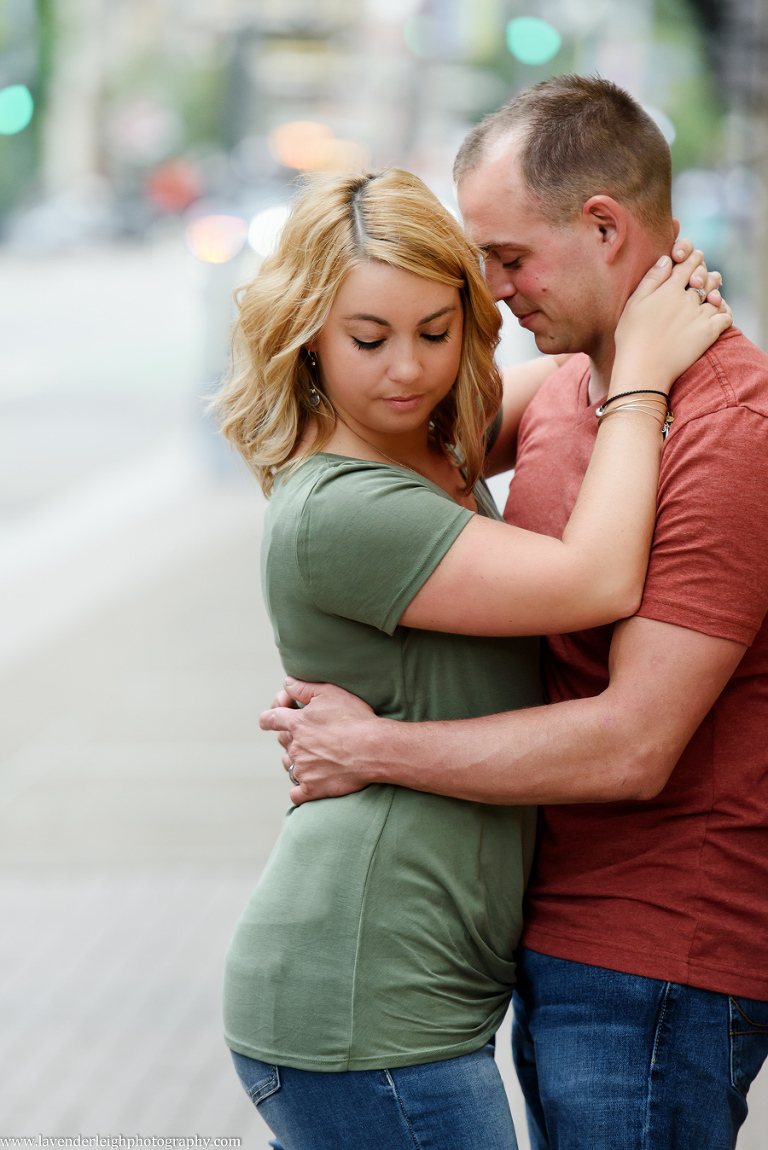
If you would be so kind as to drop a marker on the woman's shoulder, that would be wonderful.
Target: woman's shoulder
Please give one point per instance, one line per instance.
(333, 493)
(339, 482)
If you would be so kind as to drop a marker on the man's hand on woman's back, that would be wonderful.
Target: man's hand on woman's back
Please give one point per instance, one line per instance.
(337, 724)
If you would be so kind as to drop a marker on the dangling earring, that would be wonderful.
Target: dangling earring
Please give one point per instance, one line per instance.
(314, 394)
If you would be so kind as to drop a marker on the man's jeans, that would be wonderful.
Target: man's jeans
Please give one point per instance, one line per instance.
(611, 1061)
(457, 1104)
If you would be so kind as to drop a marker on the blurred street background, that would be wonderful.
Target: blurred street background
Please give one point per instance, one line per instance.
(148, 150)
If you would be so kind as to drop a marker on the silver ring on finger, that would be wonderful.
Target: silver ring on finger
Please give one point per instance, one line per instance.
(292, 777)
(701, 293)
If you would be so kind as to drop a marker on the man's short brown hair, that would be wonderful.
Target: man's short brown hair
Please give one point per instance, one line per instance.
(581, 136)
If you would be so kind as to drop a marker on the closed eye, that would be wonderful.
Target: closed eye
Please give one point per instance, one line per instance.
(441, 338)
(513, 264)
(367, 345)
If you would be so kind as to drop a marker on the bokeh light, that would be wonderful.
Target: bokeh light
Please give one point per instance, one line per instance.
(532, 41)
(299, 144)
(310, 146)
(173, 186)
(265, 229)
(216, 239)
(144, 131)
(16, 109)
(342, 156)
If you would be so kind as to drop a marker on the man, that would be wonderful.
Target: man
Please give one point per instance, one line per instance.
(641, 1012)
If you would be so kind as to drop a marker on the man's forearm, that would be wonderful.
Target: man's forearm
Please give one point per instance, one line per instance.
(620, 745)
(575, 752)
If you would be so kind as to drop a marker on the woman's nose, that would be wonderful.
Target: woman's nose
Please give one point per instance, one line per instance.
(406, 365)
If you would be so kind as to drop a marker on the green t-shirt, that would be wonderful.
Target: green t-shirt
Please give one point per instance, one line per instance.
(382, 930)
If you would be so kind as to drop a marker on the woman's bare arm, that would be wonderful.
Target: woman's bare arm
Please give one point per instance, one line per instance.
(523, 380)
(501, 580)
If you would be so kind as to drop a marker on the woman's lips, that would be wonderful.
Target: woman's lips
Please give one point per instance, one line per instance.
(404, 402)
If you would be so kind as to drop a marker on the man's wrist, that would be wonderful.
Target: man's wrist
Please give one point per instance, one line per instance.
(384, 749)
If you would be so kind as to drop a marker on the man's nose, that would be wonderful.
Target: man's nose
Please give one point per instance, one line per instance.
(499, 280)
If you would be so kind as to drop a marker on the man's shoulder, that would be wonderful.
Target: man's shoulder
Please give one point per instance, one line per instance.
(732, 373)
(564, 389)
(572, 372)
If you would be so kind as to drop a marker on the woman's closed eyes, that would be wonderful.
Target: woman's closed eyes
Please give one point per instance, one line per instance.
(371, 345)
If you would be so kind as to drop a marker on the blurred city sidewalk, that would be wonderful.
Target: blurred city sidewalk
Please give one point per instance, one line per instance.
(138, 799)
(138, 802)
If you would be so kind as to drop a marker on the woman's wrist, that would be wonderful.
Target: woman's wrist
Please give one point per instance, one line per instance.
(658, 416)
(634, 380)
(647, 402)
(639, 369)
(647, 395)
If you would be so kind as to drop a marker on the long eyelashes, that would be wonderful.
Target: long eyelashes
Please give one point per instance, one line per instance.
(373, 344)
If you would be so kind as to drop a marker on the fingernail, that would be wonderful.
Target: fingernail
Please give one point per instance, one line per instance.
(680, 253)
(289, 680)
(662, 261)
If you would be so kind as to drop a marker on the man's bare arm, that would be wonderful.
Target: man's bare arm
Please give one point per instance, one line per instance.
(619, 745)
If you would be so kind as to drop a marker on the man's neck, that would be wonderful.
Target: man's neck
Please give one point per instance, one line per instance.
(603, 351)
(600, 374)
(599, 380)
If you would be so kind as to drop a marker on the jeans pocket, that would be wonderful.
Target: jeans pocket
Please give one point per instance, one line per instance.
(259, 1079)
(748, 1032)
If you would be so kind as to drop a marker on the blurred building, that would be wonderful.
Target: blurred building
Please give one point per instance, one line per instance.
(149, 109)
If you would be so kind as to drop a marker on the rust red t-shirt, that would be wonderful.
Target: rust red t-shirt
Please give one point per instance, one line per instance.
(675, 888)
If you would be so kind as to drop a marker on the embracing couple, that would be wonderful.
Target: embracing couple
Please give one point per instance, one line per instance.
(377, 956)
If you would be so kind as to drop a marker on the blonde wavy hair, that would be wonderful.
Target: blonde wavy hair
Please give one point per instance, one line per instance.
(339, 222)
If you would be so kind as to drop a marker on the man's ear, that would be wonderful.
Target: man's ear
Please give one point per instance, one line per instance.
(609, 221)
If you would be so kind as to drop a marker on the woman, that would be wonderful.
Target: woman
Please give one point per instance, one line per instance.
(374, 963)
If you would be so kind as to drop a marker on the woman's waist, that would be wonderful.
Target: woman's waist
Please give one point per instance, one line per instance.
(402, 847)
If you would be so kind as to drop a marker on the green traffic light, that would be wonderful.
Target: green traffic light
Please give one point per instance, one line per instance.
(532, 41)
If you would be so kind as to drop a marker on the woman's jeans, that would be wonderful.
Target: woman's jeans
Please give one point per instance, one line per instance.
(458, 1104)
(611, 1061)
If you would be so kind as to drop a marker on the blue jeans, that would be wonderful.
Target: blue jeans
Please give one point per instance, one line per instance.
(458, 1104)
(611, 1061)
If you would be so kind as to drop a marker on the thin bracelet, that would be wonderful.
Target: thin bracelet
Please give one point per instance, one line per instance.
(664, 424)
(644, 391)
(627, 401)
(635, 407)
(601, 412)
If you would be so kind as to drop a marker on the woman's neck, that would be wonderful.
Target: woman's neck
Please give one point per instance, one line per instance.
(414, 452)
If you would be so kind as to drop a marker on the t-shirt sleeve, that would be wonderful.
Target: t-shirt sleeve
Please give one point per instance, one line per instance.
(369, 538)
(709, 563)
